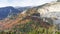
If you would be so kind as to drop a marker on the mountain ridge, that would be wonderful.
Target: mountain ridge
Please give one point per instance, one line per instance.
(5, 11)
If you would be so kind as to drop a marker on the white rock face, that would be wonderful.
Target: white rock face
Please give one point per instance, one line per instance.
(51, 10)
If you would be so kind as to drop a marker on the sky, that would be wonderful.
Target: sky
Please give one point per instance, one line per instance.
(23, 3)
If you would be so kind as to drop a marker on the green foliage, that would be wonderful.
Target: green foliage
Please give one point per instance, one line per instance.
(29, 28)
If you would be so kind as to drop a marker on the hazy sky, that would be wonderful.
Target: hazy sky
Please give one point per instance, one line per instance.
(23, 2)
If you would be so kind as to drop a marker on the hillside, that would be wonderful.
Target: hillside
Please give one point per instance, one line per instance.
(34, 20)
(25, 22)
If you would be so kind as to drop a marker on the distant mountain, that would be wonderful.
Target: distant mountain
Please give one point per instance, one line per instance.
(5, 11)
(23, 8)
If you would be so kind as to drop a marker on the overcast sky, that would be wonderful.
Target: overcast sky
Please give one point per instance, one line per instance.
(23, 3)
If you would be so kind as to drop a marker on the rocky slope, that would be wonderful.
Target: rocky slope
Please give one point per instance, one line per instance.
(32, 14)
